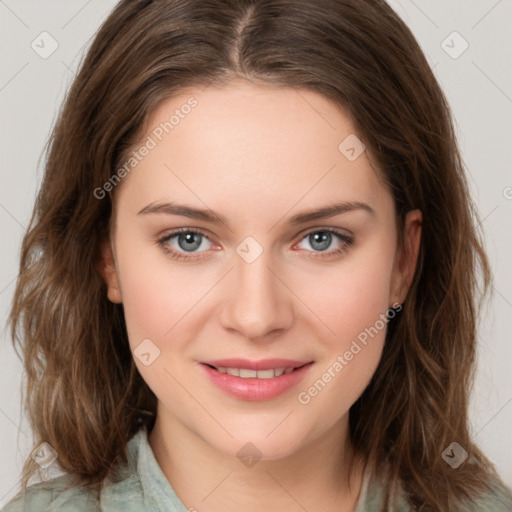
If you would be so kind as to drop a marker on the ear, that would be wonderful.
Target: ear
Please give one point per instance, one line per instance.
(406, 257)
(108, 271)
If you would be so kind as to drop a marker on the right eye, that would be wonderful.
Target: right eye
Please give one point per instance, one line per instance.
(181, 243)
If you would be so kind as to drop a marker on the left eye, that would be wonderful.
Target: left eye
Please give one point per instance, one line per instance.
(321, 240)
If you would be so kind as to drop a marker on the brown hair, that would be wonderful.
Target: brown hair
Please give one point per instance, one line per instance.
(84, 395)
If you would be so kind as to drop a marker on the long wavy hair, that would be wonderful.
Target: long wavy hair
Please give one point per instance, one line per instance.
(84, 395)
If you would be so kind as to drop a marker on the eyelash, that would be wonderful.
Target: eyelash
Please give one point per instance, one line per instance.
(180, 256)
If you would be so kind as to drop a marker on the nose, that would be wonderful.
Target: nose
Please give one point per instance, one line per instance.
(257, 302)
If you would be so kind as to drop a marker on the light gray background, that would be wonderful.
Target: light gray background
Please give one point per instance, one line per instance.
(478, 84)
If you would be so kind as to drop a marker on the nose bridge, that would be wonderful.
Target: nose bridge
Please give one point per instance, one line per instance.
(258, 303)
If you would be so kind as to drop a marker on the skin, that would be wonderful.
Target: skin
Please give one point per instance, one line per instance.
(257, 155)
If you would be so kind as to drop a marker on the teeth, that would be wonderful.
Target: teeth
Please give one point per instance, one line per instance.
(255, 374)
(264, 374)
(248, 374)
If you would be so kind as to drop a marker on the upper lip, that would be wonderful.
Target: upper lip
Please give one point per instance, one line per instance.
(262, 364)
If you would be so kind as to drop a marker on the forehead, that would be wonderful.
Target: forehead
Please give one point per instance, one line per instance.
(258, 115)
(252, 145)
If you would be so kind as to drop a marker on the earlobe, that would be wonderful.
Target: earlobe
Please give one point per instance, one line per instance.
(407, 257)
(108, 271)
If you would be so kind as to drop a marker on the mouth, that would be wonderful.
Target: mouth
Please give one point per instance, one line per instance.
(255, 380)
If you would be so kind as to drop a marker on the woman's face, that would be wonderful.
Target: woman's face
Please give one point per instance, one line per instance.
(270, 280)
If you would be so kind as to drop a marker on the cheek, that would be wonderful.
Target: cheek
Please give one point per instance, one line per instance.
(158, 300)
(363, 297)
(350, 297)
(350, 356)
(352, 302)
(156, 294)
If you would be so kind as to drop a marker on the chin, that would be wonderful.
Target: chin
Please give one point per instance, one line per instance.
(262, 444)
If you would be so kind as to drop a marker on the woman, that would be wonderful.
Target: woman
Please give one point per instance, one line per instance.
(257, 277)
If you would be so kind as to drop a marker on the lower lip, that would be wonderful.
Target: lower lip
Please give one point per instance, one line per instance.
(256, 389)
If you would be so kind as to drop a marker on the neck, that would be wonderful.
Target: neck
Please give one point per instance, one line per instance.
(315, 477)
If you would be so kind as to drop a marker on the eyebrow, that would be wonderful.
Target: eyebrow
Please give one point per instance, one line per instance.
(216, 218)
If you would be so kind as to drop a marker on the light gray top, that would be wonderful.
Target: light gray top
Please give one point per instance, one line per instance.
(140, 485)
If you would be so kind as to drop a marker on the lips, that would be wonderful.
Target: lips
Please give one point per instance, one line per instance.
(255, 380)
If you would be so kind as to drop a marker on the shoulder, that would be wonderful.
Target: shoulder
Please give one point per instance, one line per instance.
(497, 499)
(120, 491)
(60, 495)
(56, 495)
